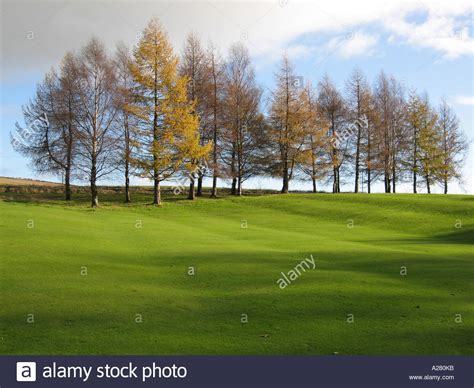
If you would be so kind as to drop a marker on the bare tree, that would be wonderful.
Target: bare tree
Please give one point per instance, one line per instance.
(243, 120)
(97, 111)
(454, 145)
(49, 138)
(214, 104)
(334, 110)
(125, 120)
(358, 103)
(369, 142)
(312, 158)
(391, 129)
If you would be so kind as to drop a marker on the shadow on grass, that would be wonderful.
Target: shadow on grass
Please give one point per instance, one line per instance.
(460, 236)
(83, 199)
(114, 196)
(463, 236)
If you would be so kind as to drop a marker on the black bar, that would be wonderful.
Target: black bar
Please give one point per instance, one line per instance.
(243, 371)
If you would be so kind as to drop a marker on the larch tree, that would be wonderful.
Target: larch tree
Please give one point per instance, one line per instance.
(358, 102)
(391, 129)
(97, 154)
(333, 108)
(312, 158)
(244, 122)
(194, 66)
(151, 114)
(453, 145)
(429, 150)
(125, 121)
(383, 103)
(216, 74)
(49, 137)
(167, 131)
(400, 138)
(369, 144)
(287, 116)
(418, 117)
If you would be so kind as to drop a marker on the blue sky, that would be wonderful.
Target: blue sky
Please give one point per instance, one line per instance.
(428, 46)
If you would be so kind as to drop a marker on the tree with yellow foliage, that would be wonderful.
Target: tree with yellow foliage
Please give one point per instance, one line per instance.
(312, 157)
(287, 116)
(168, 137)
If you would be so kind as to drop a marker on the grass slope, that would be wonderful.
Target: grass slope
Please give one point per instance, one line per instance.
(144, 271)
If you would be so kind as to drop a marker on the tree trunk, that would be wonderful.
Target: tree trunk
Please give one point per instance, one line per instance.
(232, 170)
(67, 183)
(334, 153)
(127, 183)
(239, 186)
(158, 193)
(127, 190)
(94, 194)
(393, 182)
(336, 187)
(415, 155)
(356, 183)
(388, 184)
(156, 182)
(285, 187)
(368, 180)
(369, 156)
(214, 159)
(338, 179)
(199, 185)
(428, 186)
(313, 166)
(67, 177)
(156, 189)
(214, 153)
(127, 158)
(445, 186)
(191, 193)
(214, 186)
(394, 175)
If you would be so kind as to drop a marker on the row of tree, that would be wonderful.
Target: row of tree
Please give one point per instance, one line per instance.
(151, 114)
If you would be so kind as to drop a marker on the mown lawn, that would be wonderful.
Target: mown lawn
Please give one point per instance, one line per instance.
(138, 273)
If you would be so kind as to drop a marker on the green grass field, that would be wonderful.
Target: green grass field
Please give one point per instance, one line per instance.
(144, 270)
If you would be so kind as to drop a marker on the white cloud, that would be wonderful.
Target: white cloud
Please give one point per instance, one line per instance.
(268, 27)
(441, 26)
(464, 100)
(300, 51)
(444, 32)
(353, 45)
